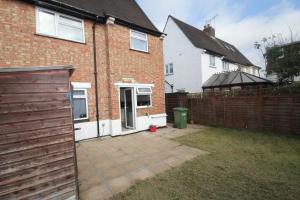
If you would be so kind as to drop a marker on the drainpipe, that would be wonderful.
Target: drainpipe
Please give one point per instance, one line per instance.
(96, 77)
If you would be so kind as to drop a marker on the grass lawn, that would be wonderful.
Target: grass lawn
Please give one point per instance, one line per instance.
(241, 165)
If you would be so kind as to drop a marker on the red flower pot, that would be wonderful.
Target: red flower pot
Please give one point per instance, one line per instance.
(153, 129)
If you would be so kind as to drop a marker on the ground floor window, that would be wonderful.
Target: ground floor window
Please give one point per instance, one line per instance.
(144, 97)
(80, 101)
(80, 104)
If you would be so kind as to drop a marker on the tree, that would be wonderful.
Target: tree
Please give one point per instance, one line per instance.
(282, 57)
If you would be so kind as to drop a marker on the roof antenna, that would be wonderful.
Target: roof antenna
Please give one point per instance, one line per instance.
(212, 20)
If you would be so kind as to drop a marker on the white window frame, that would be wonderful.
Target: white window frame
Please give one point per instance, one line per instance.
(167, 69)
(214, 64)
(80, 86)
(85, 96)
(143, 93)
(225, 69)
(57, 22)
(139, 38)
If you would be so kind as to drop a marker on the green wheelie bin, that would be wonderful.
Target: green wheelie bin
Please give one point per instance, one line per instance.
(180, 117)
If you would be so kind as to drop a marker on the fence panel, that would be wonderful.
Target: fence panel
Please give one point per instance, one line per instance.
(258, 112)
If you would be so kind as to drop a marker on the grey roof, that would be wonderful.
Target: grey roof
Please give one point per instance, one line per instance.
(201, 40)
(124, 10)
(235, 78)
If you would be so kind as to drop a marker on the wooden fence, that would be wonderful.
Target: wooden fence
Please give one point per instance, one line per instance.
(174, 100)
(258, 112)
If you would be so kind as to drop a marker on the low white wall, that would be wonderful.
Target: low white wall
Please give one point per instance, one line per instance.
(88, 130)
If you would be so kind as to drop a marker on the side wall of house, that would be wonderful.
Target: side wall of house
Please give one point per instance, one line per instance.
(186, 59)
(21, 46)
(208, 70)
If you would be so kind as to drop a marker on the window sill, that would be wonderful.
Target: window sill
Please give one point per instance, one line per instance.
(211, 66)
(146, 52)
(77, 121)
(58, 38)
(169, 74)
(141, 107)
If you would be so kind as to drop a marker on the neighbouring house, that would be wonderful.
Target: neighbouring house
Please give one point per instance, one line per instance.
(118, 83)
(192, 56)
(234, 80)
(282, 54)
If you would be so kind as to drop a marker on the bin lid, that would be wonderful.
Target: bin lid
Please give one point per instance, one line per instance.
(180, 109)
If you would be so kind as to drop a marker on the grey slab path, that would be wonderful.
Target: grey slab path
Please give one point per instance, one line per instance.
(107, 167)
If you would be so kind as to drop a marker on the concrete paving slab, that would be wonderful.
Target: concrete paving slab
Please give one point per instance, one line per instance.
(107, 167)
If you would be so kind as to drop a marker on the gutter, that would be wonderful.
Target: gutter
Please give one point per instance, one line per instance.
(66, 9)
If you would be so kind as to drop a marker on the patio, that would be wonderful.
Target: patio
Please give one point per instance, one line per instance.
(107, 167)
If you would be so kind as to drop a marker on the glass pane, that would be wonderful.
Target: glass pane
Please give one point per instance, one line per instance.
(212, 60)
(144, 90)
(129, 110)
(137, 34)
(70, 21)
(139, 44)
(171, 68)
(78, 92)
(46, 23)
(167, 69)
(143, 100)
(79, 108)
(70, 33)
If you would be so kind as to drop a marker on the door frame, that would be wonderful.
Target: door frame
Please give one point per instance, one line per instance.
(133, 107)
(134, 86)
(134, 111)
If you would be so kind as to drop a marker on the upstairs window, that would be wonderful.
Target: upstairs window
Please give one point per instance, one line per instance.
(212, 60)
(225, 66)
(138, 41)
(144, 97)
(57, 25)
(169, 69)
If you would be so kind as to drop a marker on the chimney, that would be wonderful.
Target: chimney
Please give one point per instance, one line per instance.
(209, 30)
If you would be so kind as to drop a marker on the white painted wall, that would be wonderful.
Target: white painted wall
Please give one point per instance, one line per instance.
(186, 60)
(208, 71)
(88, 130)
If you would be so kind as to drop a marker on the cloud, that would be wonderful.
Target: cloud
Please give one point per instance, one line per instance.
(235, 23)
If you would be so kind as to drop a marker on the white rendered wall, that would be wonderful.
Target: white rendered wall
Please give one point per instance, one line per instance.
(88, 130)
(186, 59)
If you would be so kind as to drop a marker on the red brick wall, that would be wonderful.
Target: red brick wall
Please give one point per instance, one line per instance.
(20, 46)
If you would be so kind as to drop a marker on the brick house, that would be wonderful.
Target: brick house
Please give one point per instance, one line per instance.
(112, 45)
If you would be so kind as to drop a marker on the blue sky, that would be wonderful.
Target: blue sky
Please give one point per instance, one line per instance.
(241, 22)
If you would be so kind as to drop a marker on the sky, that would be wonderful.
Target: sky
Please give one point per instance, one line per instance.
(239, 22)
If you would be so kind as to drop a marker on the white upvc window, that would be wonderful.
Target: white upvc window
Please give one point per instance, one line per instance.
(212, 60)
(80, 104)
(80, 100)
(169, 69)
(225, 66)
(53, 24)
(143, 97)
(138, 41)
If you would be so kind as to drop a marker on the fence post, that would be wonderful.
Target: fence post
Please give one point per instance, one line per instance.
(260, 112)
